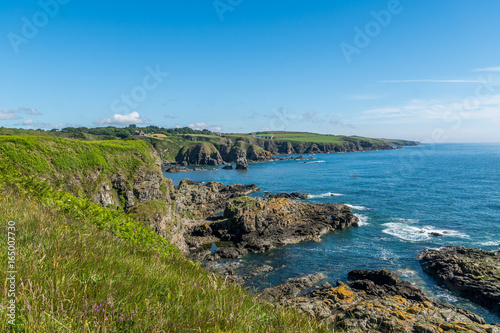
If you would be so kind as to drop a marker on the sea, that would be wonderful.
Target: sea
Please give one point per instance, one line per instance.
(407, 200)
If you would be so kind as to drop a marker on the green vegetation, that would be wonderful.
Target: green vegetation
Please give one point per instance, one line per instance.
(302, 137)
(170, 142)
(84, 268)
(56, 158)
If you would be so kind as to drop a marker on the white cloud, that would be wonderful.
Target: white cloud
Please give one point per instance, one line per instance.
(202, 126)
(487, 108)
(340, 123)
(309, 115)
(8, 114)
(121, 119)
(31, 124)
(489, 69)
(31, 111)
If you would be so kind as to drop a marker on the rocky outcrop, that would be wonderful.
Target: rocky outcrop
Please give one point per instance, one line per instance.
(202, 153)
(374, 301)
(258, 225)
(293, 195)
(241, 164)
(471, 273)
(210, 199)
(176, 168)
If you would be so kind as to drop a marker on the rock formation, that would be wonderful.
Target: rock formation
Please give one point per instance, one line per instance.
(293, 195)
(258, 225)
(374, 301)
(241, 163)
(471, 273)
(202, 153)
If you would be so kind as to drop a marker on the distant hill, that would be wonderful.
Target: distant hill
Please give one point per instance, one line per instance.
(194, 147)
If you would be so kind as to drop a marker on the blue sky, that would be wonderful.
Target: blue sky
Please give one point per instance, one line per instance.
(422, 70)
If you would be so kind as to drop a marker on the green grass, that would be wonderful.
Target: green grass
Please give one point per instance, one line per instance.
(55, 157)
(84, 268)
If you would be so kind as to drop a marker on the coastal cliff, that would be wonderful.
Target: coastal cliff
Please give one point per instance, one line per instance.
(126, 177)
(264, 146)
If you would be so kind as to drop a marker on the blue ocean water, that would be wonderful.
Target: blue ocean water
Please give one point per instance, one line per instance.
(403, 198)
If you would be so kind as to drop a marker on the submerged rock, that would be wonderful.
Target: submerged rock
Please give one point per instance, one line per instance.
(471, 273)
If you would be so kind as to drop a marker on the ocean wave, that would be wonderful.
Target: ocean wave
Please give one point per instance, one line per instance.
(324, 195)
(446, 295)
(315, 162)
(401, 220)
(387, 255)
(490, 243)
(357, 207)
(416, 234)
(407, 273)
(363, 219)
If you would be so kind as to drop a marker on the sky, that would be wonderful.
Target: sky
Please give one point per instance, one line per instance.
(409, 69)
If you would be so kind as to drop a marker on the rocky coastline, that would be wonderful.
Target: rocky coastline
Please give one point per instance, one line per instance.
(205, 153)
(471, 273)
(370, 301)
(195, 216)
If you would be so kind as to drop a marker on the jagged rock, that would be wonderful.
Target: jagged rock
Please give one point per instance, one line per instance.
(202, 153)
(227, 167)
(241, 164)
(376, 301)
(209, 199)
(176, 169)
(291, 289)
(258, 270)
(293, 195)
(471, 273)
(258, 225)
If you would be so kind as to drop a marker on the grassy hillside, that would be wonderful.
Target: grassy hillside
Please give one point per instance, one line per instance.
(169, 142)
(57, 158)
(299, 137)
(84, 268)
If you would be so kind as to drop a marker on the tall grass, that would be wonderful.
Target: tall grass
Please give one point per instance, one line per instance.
(84, 268)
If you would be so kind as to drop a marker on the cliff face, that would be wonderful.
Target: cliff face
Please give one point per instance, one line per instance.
(203, 153)
(231, 148)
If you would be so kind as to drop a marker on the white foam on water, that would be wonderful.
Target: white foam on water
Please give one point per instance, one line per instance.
(324, 195)
(316, 162)
(357, 207)
(398, 219)
(415, 234)
(447, 296)
(490, 243)
(387, 255)
(363, 219)
(407, 273)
